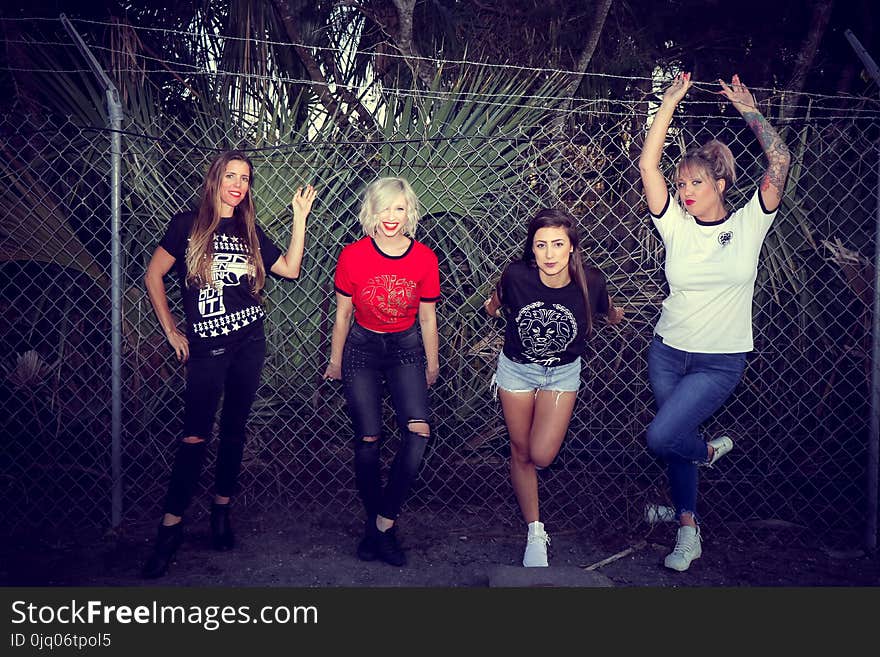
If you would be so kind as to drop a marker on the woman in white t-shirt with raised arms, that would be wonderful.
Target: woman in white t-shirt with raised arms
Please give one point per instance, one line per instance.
(698, 353)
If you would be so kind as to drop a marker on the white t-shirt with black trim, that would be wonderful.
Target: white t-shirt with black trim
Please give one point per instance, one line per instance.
(711, 271)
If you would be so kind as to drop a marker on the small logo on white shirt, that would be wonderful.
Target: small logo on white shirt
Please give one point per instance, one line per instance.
(725, 238)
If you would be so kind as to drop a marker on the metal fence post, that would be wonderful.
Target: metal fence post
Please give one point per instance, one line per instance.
(874, 438)
(114, 111)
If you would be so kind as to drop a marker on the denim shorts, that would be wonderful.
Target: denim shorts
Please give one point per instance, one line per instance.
(522, 377)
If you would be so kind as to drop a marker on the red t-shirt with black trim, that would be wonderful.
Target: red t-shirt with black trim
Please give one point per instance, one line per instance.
(386, 290)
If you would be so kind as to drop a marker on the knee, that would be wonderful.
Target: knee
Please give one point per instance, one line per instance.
(542, 458)
(520, 453)
(419, 428)
(657, 440)
(366, 444)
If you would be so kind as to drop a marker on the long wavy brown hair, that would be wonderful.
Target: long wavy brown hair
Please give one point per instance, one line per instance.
(200, 252)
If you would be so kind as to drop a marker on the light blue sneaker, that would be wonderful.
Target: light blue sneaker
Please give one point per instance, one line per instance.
(720, 446)
(536, 546)
(688, 546)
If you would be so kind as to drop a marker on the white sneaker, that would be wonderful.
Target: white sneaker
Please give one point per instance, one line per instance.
(720, 446)
(536, 546)
(687, 548)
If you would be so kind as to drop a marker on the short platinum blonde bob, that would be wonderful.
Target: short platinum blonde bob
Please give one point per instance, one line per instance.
(379, 195)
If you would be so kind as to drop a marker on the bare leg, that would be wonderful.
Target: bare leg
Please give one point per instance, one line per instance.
(518, 412)
(537, 423)
(552, 416)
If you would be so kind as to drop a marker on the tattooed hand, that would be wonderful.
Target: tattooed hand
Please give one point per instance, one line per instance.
(738, 94)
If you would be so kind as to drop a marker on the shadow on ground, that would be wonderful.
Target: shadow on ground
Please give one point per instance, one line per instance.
(443, 550)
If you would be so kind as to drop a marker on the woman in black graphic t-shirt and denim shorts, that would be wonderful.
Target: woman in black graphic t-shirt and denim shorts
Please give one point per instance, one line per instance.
(221, 256)
(548, 302)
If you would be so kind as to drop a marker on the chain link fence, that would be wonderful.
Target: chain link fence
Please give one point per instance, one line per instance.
(799, 418)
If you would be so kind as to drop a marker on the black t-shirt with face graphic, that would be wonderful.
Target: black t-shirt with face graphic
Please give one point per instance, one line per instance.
(544, 325)
(226, 311)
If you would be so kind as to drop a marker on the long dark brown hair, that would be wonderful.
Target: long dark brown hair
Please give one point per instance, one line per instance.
(552, 218)
(200, 252)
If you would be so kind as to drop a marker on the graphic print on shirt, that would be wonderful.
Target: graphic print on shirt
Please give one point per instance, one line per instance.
(545, 331)
(725, 238)
(230, 267)
(389, 294)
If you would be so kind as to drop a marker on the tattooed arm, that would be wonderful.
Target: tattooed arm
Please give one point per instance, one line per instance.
(778, 156)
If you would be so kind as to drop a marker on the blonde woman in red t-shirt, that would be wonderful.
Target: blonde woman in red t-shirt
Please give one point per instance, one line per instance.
(385, 282)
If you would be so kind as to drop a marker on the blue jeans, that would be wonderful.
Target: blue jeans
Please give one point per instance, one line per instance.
(398, 359)
(688, 388)
(521, 377)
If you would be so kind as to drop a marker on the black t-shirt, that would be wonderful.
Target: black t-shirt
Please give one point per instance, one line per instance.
(546, 325)
(225, 311)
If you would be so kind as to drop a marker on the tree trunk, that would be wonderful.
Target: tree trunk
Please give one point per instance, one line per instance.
(327, 98)
(420, 66)
(589, 49)
(557, 132)
(803, 63)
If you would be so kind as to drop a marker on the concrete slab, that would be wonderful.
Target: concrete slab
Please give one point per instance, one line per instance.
(552, 576)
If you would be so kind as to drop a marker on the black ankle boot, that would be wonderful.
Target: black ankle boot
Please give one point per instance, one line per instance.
(387, 547)
(168, 539)
(222, 537)
(366, 549)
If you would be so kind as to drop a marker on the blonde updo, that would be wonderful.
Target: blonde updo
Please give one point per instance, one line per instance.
(714, 160)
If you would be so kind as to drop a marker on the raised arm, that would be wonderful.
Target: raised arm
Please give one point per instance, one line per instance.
(288, 264)
(653, 182)
(777, 153)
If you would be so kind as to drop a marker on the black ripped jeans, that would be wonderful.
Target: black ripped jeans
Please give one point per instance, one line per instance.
(398, 359)
(232, 372)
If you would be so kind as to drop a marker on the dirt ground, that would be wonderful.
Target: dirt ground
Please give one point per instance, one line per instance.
(316, 549)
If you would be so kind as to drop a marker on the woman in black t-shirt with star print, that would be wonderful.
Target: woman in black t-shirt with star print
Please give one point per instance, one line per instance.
(221, 257)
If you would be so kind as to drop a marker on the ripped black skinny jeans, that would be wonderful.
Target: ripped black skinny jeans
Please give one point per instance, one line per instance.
(233, 373)
(398, 360)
